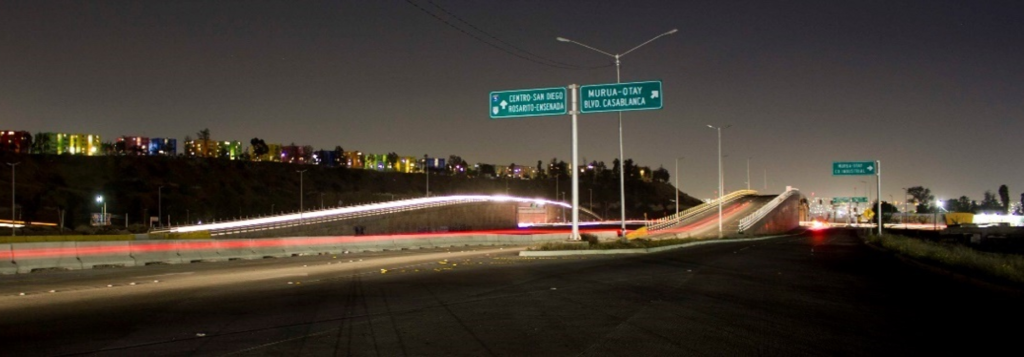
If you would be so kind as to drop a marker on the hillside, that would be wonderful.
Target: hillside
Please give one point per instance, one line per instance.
(213, 189)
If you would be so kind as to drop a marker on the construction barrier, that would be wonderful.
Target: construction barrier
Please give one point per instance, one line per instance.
(104, 254)
(53, 255)
(155, 252)
(7, 260)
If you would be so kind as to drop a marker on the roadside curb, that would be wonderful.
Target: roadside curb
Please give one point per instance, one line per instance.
(555, 253)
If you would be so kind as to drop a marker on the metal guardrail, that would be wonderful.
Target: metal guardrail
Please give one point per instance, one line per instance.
(671, 220)
(748, 221)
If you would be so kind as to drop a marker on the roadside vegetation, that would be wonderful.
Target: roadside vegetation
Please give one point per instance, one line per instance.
(1009, 267)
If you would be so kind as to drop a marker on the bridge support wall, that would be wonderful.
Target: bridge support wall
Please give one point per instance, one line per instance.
(784, 218)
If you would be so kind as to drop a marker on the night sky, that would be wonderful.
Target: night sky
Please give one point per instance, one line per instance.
(934, 89)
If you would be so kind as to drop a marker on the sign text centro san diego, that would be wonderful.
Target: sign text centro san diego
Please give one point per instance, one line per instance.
(528, 102)
(594, 98)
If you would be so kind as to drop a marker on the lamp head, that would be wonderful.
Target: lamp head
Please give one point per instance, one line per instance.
(672, 32)
(562, 39)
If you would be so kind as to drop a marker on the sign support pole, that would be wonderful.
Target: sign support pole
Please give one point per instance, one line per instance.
(575, 165)
(878, 193)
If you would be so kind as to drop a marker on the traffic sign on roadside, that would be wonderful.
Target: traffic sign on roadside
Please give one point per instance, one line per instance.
(616, 97)
(859, 199)
(853, 168)
(527, 103)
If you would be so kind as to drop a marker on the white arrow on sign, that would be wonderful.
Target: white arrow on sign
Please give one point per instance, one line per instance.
(871, 168)
(504, 104)
(654, 94)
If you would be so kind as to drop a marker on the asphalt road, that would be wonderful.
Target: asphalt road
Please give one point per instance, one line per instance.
(825, 294)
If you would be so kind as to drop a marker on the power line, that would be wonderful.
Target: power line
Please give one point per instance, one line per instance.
(539, 59)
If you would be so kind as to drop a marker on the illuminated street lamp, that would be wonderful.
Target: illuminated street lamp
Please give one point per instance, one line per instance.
(618, 79)
(103, 213)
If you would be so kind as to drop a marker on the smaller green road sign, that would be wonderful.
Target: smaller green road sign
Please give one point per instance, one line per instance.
(527, 103)
(859, 199)
(617, 97)
(853, 168)
(862, 199)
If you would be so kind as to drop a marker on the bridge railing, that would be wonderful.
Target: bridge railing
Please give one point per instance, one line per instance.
(749, 221)
(344, 213)
(673, 219)
(361, 211)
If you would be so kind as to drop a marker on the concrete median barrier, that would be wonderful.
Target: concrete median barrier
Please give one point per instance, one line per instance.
(234, 249)
(104, 254)
(195, 251)
(41, 256)
(7, 260)
(155, 252)
(269, 248)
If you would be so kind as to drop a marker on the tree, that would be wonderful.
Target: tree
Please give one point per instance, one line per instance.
(540, 169)
(923, 196)
(632, 172)
(661, 175)
(259, 147)
(339, 157)
(963, 205)
(203, 135)
(1004, 197)
(392, 159)
(989, 204)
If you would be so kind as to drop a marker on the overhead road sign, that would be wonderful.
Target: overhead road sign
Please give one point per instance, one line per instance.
(527, 103)
(853, 168)
(617, 97)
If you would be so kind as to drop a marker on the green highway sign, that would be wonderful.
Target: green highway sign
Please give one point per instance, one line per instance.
(616, 97)
(853, 168)
(527, 103)
(859, 199)
(840, 200)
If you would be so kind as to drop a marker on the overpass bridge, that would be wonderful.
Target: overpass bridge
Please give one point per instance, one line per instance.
(743, 212)
(420, 215)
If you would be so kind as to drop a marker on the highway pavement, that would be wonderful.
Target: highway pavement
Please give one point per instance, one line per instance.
(817, 294)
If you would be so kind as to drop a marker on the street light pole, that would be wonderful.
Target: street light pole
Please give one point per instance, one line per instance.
(618, 79)
(720, 183)
(677, 185)
(748, 174)
(300, 193)
(426, 170)
(159, 206)
(13, 216)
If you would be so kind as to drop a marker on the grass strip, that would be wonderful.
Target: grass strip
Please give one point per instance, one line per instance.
(1003, 266)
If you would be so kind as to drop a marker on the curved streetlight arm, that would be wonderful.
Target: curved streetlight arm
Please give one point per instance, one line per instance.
(563, 39)
(649, 41)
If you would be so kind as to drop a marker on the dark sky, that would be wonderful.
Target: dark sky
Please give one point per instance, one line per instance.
(934, 89)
